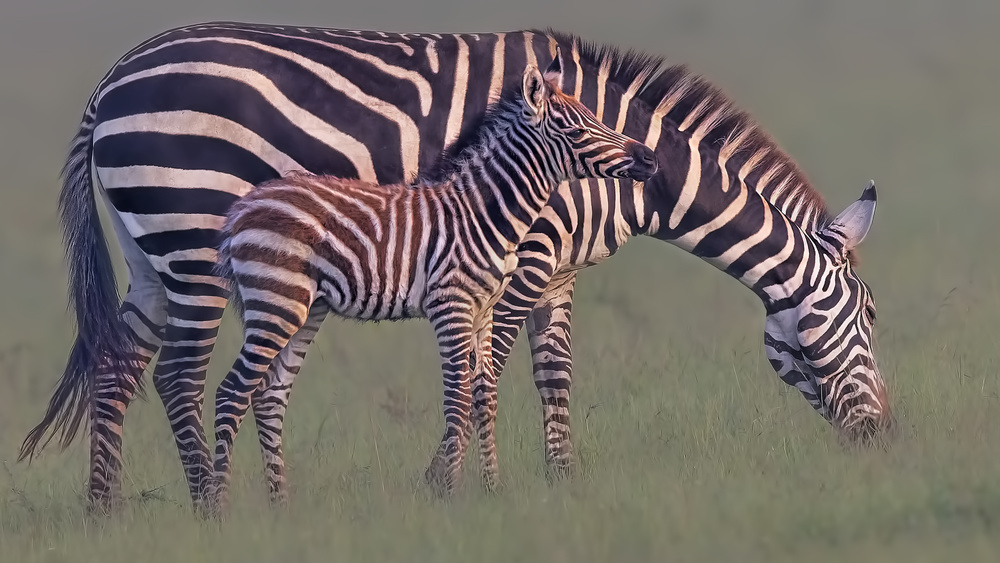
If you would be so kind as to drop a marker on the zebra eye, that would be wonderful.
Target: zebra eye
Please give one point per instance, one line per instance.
(577, 133)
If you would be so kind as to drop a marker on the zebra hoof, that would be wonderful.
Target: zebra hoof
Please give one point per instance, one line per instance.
(214, 501)
(436, 477)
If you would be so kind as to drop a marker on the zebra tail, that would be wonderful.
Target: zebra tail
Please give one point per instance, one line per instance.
(103, 340)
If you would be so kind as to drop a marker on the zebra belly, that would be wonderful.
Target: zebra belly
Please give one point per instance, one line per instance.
(368, 304)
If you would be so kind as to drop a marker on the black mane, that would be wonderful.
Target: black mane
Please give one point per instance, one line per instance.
(680, 92)
(473, 133)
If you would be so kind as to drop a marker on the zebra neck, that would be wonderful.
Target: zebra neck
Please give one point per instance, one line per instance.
(734, 220)
(506, 197)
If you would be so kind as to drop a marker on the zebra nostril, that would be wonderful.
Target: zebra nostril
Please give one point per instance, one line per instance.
(643, 154)
(644, 161)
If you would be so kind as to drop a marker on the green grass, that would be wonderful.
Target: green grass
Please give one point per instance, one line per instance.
(688, 447)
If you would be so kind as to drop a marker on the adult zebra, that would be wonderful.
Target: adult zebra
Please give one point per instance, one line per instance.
(186, 122)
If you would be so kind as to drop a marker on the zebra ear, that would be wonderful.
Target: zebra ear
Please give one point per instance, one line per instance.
(852, 225)
(554, 73)
(533, 89)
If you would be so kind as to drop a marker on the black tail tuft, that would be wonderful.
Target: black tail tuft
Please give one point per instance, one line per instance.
(103, 340)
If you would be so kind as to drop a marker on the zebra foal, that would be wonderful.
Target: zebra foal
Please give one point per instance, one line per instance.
(297, 248)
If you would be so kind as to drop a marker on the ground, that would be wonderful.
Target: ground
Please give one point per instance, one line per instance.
(689, 448)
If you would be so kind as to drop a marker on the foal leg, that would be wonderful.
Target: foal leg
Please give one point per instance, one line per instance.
(270, 401)
(484, 408)
(452, 322)
(265, 335)
(545, 303)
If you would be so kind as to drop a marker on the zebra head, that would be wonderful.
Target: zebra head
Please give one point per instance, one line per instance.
(821, 342)
(587, 148)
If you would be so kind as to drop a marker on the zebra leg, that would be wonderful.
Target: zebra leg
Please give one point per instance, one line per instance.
(179, 378)
(270, 401)
(542, 297)
(485, 404)
(452, 324)
(549, 327)
(144, 312)
(263, 340)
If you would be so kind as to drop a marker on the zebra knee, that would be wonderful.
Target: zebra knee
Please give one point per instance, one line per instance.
(541, 316)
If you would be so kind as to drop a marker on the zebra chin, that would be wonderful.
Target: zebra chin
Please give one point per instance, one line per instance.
(868, 428)
(855, 402)
(859, 412)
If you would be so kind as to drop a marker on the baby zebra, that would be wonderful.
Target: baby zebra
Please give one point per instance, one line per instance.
(296, 248)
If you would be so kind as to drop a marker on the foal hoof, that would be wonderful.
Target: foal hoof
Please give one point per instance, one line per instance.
(491, 485)
(279, 501)
(103, 506)
(558, 472)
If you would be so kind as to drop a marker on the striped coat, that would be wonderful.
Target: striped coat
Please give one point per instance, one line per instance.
(190, 120)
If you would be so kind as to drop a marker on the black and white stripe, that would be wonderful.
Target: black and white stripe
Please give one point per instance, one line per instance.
(728, 194)
(190, 120)
(302, 245)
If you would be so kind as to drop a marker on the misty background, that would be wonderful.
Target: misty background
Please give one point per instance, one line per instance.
(687, 442)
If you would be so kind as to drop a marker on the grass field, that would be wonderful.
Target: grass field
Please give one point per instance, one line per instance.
(689, 449)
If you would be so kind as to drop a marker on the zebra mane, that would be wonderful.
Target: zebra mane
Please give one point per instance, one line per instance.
(676, 93)
(472, 135)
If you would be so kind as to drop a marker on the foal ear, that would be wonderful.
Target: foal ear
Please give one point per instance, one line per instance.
(533, 89)
(847, 231)
(554, 73)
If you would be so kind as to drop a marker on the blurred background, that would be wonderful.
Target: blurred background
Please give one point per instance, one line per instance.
(681, 427)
